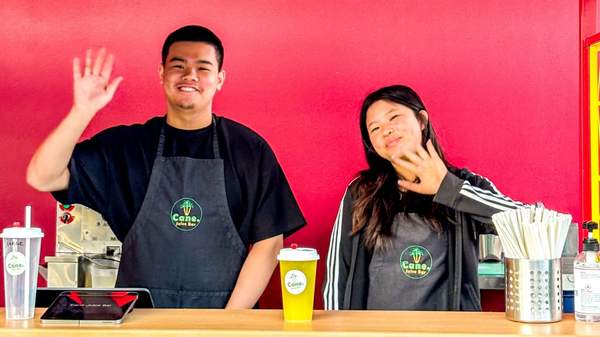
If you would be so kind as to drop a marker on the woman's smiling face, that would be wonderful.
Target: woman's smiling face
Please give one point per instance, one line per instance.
(393, 128)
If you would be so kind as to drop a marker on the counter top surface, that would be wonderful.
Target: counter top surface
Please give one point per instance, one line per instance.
(207, 322)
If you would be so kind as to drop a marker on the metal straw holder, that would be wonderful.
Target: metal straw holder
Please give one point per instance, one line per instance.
(533, 290)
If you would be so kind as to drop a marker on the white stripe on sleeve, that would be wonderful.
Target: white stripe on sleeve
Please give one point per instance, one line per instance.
(331, 297)
(499, 199)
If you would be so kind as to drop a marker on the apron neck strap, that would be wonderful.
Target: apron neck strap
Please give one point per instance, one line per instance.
(215, 138)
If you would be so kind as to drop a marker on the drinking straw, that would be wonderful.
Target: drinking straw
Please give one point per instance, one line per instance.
(507, 240)
(529, 242)
(27, 262)
(565, 222)
(532, 232)
(544, 239)
(518, 231)
(551, 229)
(515, 239)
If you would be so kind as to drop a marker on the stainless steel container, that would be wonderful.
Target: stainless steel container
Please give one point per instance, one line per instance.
(64, 271)
(490, 248)
(533, 290)
(99, 271)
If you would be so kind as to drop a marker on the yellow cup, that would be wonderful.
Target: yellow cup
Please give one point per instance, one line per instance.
(298, 267)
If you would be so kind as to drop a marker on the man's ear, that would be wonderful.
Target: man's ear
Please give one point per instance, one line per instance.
(220, 79)
(161, 72)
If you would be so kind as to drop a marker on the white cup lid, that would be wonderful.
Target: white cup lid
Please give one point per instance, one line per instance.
(298, 254)
(21, 233)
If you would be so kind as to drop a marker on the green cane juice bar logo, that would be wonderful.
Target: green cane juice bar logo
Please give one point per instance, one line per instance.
(15, 263)
(186, 214)
(415, 262)
(295, 282)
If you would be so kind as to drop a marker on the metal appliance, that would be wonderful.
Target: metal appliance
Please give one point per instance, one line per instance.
(87, 251)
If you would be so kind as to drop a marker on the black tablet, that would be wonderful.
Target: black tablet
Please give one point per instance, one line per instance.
(45, 296)
(93, 307)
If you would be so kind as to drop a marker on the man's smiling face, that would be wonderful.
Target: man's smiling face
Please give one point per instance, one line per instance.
(190, 77)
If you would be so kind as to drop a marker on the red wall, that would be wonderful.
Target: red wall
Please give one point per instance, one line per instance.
(500, 80)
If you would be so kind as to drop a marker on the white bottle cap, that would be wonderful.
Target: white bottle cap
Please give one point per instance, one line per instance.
(21, 233)
(296, 253)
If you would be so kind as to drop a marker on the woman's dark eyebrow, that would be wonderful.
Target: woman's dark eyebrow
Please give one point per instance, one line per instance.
(390, 111)
(387, 113)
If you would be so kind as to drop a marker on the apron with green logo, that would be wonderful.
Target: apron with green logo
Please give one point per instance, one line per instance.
(183, 244)
(412, 272)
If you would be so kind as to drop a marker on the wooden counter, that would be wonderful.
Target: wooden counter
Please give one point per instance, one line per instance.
(201, 322)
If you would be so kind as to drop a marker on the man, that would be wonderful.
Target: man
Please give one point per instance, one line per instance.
(187, 194)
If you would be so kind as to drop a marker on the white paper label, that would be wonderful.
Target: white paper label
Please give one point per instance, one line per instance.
(15, 263)
(587, 291)
(295, 282)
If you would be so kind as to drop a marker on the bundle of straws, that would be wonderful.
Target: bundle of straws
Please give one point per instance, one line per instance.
(532, 232)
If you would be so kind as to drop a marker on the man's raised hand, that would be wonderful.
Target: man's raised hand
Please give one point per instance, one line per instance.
(92, 89)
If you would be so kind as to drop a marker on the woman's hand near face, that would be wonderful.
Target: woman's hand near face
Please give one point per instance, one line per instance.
(426, 165)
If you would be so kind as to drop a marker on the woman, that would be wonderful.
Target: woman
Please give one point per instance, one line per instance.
(406, 233)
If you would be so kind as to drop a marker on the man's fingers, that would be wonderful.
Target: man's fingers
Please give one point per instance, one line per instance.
(107, 67)
(98, 62)
(112, 87)
(76, 68)
(88, 63)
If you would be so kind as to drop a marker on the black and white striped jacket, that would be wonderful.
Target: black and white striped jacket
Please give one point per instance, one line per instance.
(470, 200)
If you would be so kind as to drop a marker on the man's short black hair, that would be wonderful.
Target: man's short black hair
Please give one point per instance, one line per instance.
(195, 34)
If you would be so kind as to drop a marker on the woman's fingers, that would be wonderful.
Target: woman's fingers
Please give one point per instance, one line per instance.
(422, 153)
(426, 165)
(432, 152)
(412, 157)
(408, 165)
(410, 186)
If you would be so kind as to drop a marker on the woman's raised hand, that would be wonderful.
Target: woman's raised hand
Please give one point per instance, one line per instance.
(426, 165)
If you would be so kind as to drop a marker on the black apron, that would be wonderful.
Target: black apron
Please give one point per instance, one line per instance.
(412, 273)
(183, 244)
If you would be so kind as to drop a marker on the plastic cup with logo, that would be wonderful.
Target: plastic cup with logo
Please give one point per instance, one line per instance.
(21, 254)
(298, 267)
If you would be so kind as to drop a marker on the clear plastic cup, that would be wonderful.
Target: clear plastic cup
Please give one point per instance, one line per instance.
(298, 267)
(21, 255)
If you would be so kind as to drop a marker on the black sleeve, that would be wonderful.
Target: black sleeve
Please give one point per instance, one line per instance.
(338, 256)
(475, 196)
(88, 180)
(274, 206)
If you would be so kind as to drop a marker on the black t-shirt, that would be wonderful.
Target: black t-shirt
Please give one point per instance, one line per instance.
(110, 174)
